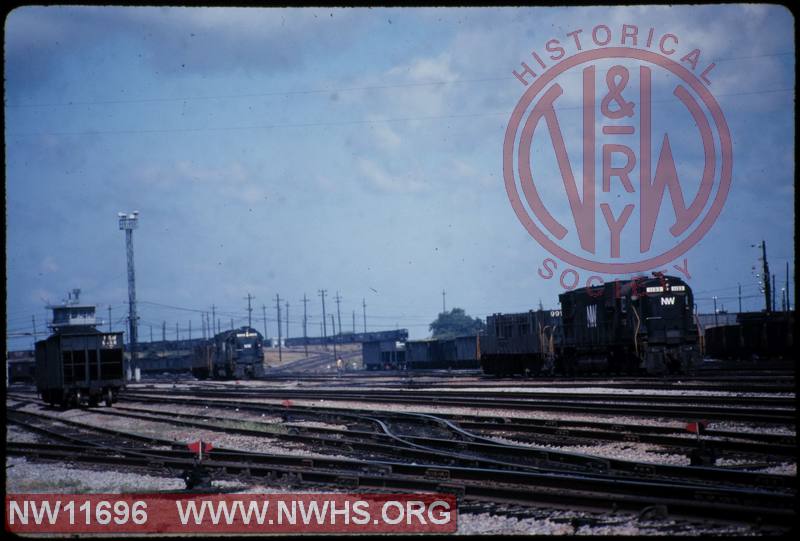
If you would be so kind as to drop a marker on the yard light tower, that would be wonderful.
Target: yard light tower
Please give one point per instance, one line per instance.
(127, 223)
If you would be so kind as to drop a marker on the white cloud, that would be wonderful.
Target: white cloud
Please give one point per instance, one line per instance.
(49, 265)
(381, 180)
(387, 137)
(231, 182)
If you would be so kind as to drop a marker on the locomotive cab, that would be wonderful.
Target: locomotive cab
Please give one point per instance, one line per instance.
(669, 334)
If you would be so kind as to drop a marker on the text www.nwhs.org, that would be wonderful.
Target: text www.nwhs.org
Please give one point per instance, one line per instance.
(314, 512)
(231, 513)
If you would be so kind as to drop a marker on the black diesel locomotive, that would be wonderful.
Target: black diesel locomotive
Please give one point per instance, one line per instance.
(640, 325)
(237, 353)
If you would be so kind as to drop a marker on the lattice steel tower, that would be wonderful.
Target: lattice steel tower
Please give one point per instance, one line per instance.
(127, 223)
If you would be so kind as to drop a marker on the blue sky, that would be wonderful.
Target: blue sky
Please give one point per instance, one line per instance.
(281, 151)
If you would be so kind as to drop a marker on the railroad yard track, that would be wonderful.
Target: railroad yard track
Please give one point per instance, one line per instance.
(757, 409)
(488, 446)
(468, 477)
(747, 382)
(779, 444)
(381, 433)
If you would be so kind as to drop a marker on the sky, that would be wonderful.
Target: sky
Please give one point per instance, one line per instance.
(360, 151)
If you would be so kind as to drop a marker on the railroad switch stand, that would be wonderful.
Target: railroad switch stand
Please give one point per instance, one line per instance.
(197, 477)
(703, 456)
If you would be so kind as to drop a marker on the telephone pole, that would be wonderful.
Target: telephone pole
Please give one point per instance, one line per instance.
(335, 357)
(177, 333)
(354, 322)
(127, 223)
(249, 311)
(788, 303)
(151, 334)
(33, 319)
(339, 312)
(322, 293)
(444, 310)
(164, 331)
(305, 325)
(766, 275)
(109, 318)
(287, 319)
(280, 347)
(773, 292)
(740, 298)
(190, 329)
(214, 319)
(364, 308)
(264, 311)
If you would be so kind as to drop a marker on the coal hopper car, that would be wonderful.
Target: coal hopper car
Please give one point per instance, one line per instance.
(78, 364)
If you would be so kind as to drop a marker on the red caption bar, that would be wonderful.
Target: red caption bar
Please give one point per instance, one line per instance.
(231, 513)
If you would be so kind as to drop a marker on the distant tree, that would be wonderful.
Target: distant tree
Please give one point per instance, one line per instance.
(455, 323)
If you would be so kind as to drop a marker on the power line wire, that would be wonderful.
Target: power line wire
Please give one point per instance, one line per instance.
(313, 91)
(330, 123)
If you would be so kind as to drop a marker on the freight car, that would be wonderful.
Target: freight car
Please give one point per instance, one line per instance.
(756, 335)
(397, 335)
(520, 343)
(460, 352)
(632, 326)
(237, 353)
(21, 370)
(383, 355)
(78, 364)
